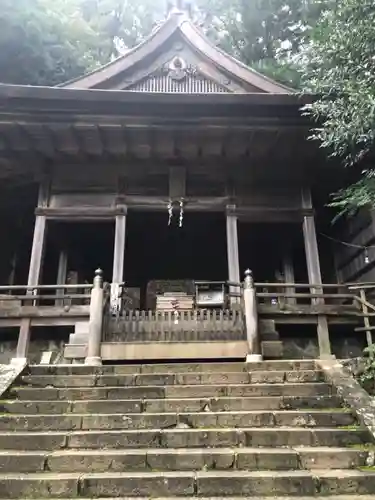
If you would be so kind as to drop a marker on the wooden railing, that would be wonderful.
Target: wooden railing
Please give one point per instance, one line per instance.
(365, 290)
(302, 293)
(44, 302)
(192, 325)
(52, 305)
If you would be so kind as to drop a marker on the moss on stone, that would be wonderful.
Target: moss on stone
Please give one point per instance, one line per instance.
(326, 410)
(354, 427)
(363, 447)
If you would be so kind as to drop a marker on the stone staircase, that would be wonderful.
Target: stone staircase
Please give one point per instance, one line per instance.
(260, 431)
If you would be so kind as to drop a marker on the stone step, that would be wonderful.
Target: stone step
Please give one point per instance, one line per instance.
(183, 438)
(183, 459)
(198, 420)
(298, 497)
(170, 405)
(203, 483)
(158, 392)
(223, 367)
(162, 379)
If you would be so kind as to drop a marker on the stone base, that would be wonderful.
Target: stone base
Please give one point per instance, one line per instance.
(267, 330)
(272, 349)
(254, 358)
(94, 361)
(327, 356)
(122, 351)
(18, 361)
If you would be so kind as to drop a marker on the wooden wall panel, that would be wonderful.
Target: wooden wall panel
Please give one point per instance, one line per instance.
(63, 200)
(355, 263)
(267, 197)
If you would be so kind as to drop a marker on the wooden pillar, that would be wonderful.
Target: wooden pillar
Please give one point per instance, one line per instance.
(313, 269)
(36, 259)
(33, 279)
(232, 249)
(118, 257)
(12, 274)
(62, 274)
(119, 248)
(289, 277)
(37, 251)
(62, 268)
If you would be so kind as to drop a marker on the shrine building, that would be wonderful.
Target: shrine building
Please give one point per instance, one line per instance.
(173, 169)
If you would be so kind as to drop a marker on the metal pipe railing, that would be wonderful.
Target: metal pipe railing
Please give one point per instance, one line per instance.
(44, 287)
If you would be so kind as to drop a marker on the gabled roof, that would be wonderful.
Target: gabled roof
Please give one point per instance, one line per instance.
(178, 57)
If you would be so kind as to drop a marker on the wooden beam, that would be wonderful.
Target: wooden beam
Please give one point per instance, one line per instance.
(269, 214)
(113, 139)
(15, 137)
(186, 145)
(65, 139)
(79, 213)
(210, 204)
(211, 143)
(138, 142)
(88, 136)
(40, 136)
(236, 144)
(163, 144)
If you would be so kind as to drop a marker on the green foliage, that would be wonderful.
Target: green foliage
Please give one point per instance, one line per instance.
(265, 34)
(367, 378)
(340, 68)
(128, 21)
(359, 195)
(45, 42)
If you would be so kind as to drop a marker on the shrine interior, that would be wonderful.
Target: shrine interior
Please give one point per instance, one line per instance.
(89, 246)
(155, 250)
(159, 251)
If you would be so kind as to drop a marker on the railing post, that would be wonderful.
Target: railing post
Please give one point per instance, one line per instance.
(314, 272)
(366, 319)
(96, 321)
(251, 318)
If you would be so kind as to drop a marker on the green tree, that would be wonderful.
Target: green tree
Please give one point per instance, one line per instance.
(265, 34)
(44, 42)
(341, 70)
(128, 21)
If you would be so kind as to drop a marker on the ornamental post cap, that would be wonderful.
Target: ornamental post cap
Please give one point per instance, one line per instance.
(98, 272)
(179, 6)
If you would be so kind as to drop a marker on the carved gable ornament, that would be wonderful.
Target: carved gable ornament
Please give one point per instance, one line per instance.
(177, 76)
(177, 69)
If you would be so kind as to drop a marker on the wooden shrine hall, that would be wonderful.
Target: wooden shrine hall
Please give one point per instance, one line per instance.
(172, 169)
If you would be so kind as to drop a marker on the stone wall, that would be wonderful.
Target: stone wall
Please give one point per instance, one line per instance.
(42, 339)
(301, 342)
(298, 343)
